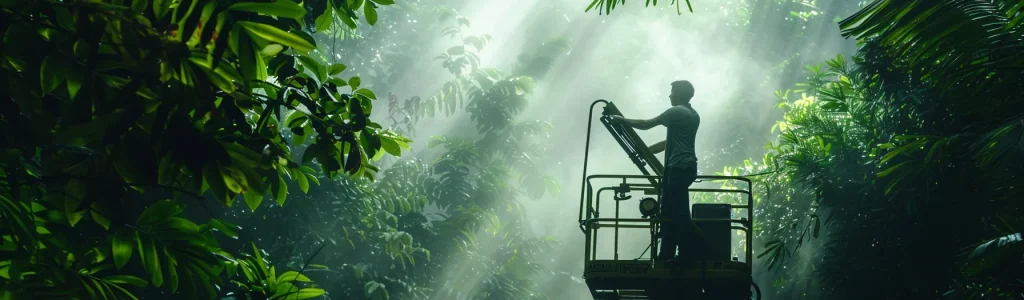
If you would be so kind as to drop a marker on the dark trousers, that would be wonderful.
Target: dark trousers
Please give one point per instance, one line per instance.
(680, 232)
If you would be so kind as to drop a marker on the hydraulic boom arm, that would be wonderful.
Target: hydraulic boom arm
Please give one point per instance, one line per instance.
(638, 152)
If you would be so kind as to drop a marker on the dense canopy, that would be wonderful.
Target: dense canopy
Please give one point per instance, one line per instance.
(418, 149)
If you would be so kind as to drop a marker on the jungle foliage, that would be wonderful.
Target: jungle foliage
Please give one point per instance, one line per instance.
(132, 127)
(606, 6)
(905, 161)
(442, 223)
(118, 114)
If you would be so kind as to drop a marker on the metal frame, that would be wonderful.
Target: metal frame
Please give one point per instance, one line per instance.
(590, 221)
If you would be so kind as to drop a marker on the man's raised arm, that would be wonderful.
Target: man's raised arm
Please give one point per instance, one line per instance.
(657, 147)
(638, 124)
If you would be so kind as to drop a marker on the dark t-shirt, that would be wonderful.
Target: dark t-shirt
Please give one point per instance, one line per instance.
(682, 122)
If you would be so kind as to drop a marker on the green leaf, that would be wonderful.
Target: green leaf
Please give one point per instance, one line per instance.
(283, 289)
(994, 254)
(367, 93)
(280, 8)
(310, 174)
(336, 69)
(100, 289)
(122, 248)
(222, 75)
(457, 50)
(72, 201)
(371, 14)
(100, 219)
(74, 80)
(313, 151)
(307, 293)
(192, 28)
(139, 6)
(888, 171)
(213, 177)
(817, 226)
(126, 279)
(372, 289)
(302, 181)
(234, 180)
(313, 66)
(253, 199)
(152, 262)
(172, 270)
(51, 74)
(271, 50)
(359, 117)
(167, 171)
(347, 18)
(128, 169)
(295, 119)
(259, 258)
(160, 8)
(390, 146)
(272, 33)
(242, 156)
(282, 191)
(354, 82)
(338, 82)
(247, 63)
(293, 276)
(325, 20)
(227, 229)
(384, 2)
(160, 211)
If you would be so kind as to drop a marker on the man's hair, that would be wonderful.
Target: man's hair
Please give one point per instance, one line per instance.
(682, 91)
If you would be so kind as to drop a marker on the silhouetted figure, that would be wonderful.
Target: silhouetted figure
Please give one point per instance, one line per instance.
(681, 121)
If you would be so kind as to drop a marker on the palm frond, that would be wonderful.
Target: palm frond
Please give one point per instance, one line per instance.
(968, 48)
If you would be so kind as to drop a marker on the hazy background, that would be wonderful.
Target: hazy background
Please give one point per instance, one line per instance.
(736, 53)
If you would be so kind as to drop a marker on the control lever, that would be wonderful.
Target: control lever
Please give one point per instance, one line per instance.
(621, 192)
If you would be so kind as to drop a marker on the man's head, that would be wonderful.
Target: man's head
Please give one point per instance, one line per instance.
(682, 92)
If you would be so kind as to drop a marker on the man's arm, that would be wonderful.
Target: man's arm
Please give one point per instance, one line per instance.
(638, 124)
(657, 147)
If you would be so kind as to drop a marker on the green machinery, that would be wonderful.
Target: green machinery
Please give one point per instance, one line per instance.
(611, 275)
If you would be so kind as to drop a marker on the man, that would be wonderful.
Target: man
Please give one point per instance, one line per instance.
(680, 171)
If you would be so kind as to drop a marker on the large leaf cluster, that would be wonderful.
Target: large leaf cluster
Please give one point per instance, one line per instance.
(908, 155)
(957, 66)
(412, 232)
(108, 106)
(887, 159)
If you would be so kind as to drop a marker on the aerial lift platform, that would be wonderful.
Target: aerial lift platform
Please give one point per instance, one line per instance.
(615, 276)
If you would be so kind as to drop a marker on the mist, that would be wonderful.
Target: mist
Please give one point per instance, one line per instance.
(628, 58)
(437, 149)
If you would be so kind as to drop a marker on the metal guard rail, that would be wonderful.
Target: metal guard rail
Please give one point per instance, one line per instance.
(591, 221)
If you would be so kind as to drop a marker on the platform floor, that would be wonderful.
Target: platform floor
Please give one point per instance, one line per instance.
(642, 279)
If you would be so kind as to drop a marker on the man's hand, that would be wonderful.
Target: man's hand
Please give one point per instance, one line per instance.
(616, 119)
